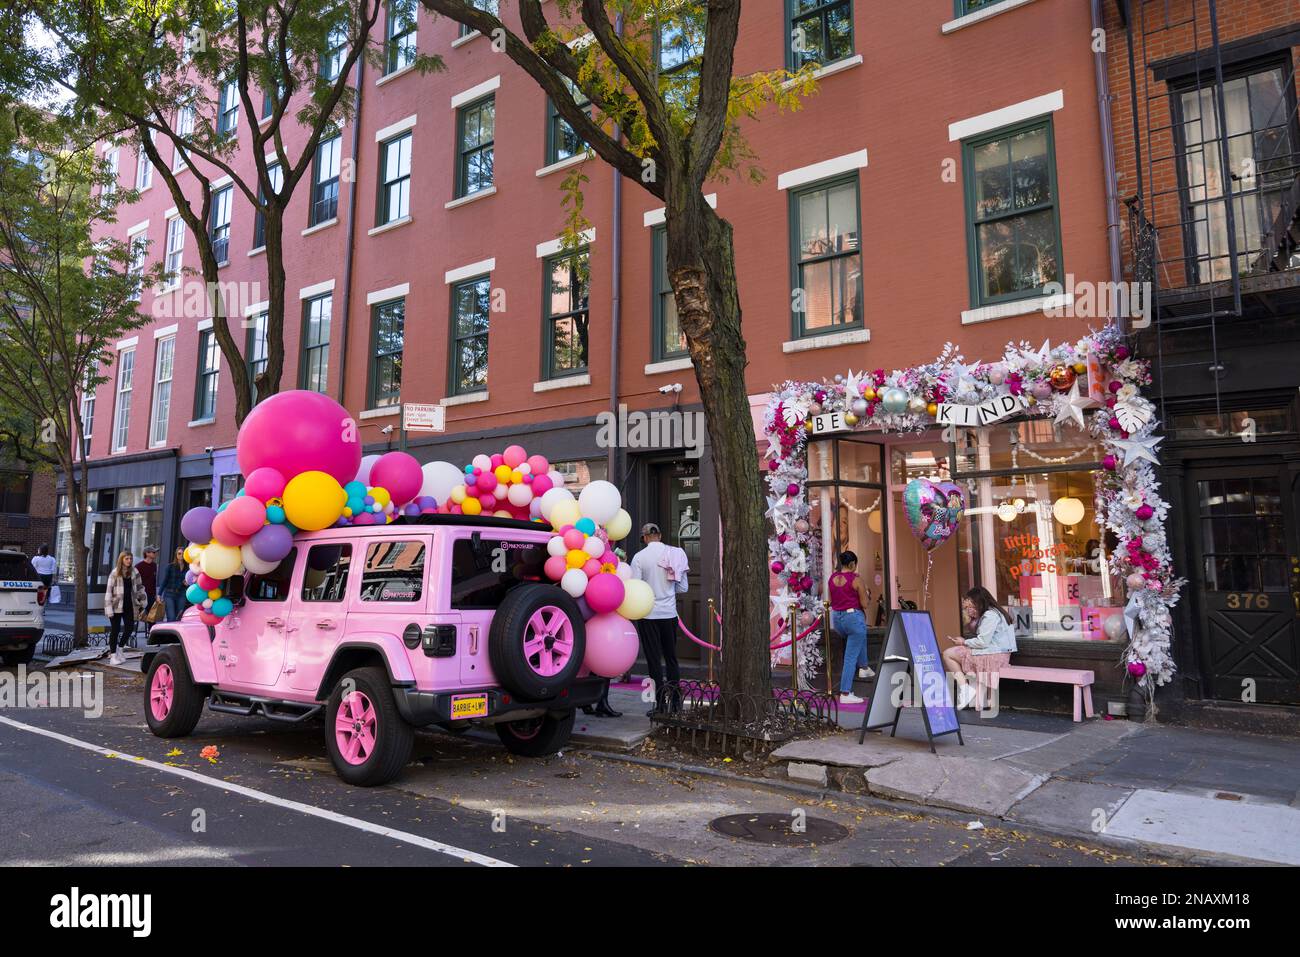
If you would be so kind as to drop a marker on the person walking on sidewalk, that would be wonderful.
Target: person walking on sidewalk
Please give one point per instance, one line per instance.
(45, 565)
(148, 569)
(124, 603)
(988, 651)
(849, 601)
(664, 568)
(171, 586)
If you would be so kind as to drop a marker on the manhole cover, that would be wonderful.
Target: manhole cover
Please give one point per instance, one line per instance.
(780, 830)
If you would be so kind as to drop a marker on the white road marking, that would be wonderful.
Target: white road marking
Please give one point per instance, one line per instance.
(308, 809)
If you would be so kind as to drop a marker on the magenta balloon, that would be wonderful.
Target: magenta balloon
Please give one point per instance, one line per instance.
(612, 643)
(265, 484)
(272, 543)
(604, 593)
(245, 515)
(196, 524)
(299, 431)
(541, 484)
(400, 473)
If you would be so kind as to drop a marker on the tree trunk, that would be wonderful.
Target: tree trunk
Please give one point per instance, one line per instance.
(701, 263)
(268, 383)
(76, 492)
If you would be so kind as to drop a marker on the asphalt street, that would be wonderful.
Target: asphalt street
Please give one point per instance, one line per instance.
(85, 790)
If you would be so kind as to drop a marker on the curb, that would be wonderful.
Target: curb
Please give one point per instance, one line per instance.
(1182, 855)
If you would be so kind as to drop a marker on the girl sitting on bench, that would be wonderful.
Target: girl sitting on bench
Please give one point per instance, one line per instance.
(989, 650)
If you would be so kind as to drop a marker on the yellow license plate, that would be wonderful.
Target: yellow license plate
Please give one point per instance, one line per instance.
(469, 706)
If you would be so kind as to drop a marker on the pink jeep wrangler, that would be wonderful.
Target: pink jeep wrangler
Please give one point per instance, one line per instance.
(437, 620)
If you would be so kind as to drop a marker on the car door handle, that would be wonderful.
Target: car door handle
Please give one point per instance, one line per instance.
(326, 623)
(275, 622)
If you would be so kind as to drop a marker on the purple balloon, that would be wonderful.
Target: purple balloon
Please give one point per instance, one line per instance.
(410, 508)
(196, 524)
(272, 543)
(426, 501)
(587, 613)
(191, 578)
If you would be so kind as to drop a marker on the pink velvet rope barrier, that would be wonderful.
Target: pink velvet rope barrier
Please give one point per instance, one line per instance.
(771, 647)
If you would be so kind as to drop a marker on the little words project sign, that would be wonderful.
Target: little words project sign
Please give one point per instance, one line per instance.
(998, 407)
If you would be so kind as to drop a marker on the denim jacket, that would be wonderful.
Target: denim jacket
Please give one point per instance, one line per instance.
(994, 635)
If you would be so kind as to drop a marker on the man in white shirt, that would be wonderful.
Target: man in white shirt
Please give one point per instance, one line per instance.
(664, 569)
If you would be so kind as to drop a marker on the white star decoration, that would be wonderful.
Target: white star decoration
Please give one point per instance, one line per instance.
(1071, 407)
(1135, 450)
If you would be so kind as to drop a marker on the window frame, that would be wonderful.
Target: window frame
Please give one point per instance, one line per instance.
(373, 359)
(487, 6)
(386, 186)
(10, 498)
(124, 385)
(207, 381)
(453, 352)
(819, 12)
(255, 348)
(554, 120)
(462, 154)
(113, 162)
(160, 408)
(138, 247)
(968, 147)
(180, 159)
(548, 369)
(143, 167)
(658, 265)
(219, 231)
(228, 108)
(395, 40)
(307, 350)
(274, 173)
(797, 263)
(318, 185)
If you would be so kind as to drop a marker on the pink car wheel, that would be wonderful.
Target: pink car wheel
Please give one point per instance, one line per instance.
(173, 703)
(548, 641)
(355, 727)
(162, 689)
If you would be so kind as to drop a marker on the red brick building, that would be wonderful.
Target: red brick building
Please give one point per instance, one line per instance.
(945, 171)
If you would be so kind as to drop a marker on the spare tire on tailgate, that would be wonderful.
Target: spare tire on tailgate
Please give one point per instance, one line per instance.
(537, 641)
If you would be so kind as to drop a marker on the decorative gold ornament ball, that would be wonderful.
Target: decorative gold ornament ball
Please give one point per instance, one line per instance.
(808, 424)
(869, 393)
(1080, 368)
(932, 409)
(1062, 377)
(850, 419)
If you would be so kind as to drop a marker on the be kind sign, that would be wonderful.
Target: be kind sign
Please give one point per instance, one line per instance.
(999, 407)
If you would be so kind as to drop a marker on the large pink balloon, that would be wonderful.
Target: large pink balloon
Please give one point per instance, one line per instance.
(400, 473)
(245, 515)
(604, 593)
(612, 645)
(299, 431)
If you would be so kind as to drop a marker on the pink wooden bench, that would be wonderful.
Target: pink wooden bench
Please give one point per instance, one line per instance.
(1082, 681)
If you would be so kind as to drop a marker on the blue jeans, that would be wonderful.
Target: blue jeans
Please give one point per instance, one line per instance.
(175, 605)
(853, 626)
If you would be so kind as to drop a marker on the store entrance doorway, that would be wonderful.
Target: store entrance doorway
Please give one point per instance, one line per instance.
(674, 505)
(1247, 579)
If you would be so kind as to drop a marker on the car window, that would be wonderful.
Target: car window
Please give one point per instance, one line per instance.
(274, 585)
(326, 575)
(16, 568)
(394, 572)
(482, 572)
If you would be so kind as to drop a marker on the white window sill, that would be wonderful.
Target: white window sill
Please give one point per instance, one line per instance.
(830, 69)
(573, 160)
(319, 226)
(467, 399)
(256, 252)
(1021, 307)
(828, 340)
(381, 413)
(669, 365)
(390, 77)
(388, 226)
(970, 19)
(461, 41)
(197, 422)
(472, 197)
(568, 382)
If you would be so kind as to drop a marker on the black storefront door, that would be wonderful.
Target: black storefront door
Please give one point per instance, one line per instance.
(675, 507)
(1248, 582)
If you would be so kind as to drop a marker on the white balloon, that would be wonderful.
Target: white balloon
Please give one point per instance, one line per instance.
(618, 527)
(556, 547)
(600, 501)
(439, 479)
(553, 496)
(254, 564)
(363, 473)
(594, 547)
(520, 494)
(574, 582)
(557, 478)
(623, 571)
(482, 462)
(535, 508)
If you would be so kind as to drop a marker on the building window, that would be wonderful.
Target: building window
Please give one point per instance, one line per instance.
(964, 7)
(395, 180)
(475, 130)
(139, 253)
(566, 315)
(400, 47)
(325, 181)
(679, 49)
(112, 158)
(87, 412)
(184, 130)
(821, 31)
(228, 112)
(471, 307)
(143, 167)
(827, 258)
(175, 246)
(386, 354)
(205, 392)
(561, 140)
(1014, 235)
(336, 51)
(15, 491)
(1263, 142)
(219, 224)
(487, 6)
(122, 409)
(316, 342)
(669, 340)
(255, 350)
(259, 219)
(164, 359)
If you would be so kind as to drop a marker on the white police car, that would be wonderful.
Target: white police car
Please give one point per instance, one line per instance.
(22, 608)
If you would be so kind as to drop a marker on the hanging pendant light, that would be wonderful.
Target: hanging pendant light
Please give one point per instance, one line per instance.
(1069, 510)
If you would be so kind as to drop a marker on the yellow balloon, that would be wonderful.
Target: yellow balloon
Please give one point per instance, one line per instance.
(565, 513)
(313, 500)
(516, 477)
(471, 506)
(618, 526)
(190, 554)
(458, 494)
(502, 472)
(380, 495)
(214, 593)
(221, 561)
(576, 558)
(638, 599)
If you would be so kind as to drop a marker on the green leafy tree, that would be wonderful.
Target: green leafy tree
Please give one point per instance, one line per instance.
(155, 72)
(65, 298)
(666, 112)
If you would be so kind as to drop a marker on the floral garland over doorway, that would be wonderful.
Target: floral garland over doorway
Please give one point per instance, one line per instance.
(1094, 385)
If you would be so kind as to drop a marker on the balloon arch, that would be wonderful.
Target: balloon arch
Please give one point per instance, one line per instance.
(1094, 384)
